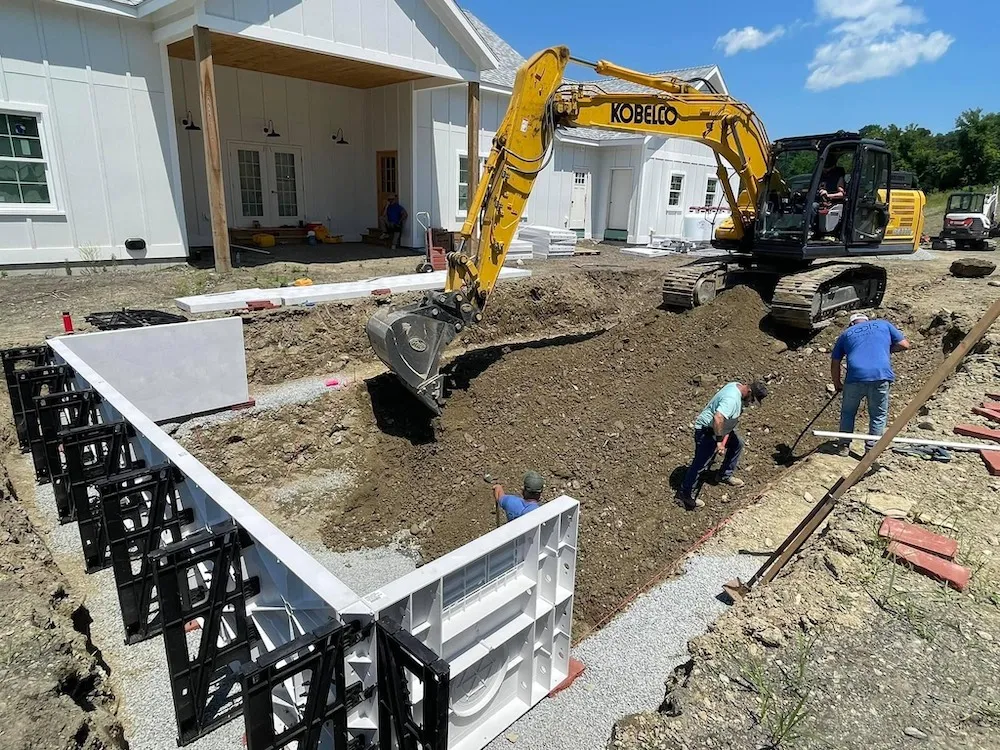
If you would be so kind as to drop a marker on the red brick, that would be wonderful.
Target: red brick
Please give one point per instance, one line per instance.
(955, 575)
(576, 668)
(992, 461)
(915, 536)
(988, 413)
(977, 432)
(994, 396)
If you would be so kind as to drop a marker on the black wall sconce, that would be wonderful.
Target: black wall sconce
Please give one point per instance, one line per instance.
(188, 122)
(269, 130)
(338, 137)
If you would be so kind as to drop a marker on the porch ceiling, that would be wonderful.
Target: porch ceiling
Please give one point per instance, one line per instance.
(250, 54)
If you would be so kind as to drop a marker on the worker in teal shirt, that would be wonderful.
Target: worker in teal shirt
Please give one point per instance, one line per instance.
(867, 345)
(514, 506)
(715, 435)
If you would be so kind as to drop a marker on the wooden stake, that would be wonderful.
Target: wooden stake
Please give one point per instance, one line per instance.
(814, 519)
(213, 148)
(472, 131)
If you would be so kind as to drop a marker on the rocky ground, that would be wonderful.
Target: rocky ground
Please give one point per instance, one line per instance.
(606, 416)
(847, 649)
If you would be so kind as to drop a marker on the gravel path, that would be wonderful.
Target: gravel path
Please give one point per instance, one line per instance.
(627, 661)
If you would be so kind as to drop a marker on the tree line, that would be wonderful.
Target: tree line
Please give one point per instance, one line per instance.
(968, 155)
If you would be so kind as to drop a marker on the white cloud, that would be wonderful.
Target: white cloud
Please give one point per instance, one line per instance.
(870, 39)
(747, 38)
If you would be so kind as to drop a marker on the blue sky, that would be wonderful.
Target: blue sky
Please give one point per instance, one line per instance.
(806, 67)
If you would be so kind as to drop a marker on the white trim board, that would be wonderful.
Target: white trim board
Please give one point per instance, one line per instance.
(305, 295)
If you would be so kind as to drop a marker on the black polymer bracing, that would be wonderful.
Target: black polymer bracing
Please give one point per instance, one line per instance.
(14, 360)
(56, 412)
(200, 579)
(141, 513)
(31, 383)
(316, 718)
(400, 656)
(116, 320)
(92, 453)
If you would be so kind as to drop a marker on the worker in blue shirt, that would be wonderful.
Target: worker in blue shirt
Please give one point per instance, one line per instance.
(867, 345)
(392, 220)
(514, 506)
(715, 435)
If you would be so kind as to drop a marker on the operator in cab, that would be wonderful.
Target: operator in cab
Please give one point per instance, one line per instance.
(515, 506)
(867, 345)
(715, 435)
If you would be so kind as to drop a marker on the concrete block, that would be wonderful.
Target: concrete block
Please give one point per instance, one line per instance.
(955, 575)
(915, 536)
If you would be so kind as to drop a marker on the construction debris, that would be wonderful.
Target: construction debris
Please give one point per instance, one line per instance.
(972, 268)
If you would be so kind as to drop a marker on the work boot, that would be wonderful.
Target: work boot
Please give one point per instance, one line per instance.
(690, 503)
(733, 481)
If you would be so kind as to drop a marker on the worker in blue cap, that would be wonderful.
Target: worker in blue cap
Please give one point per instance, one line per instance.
(515, 506)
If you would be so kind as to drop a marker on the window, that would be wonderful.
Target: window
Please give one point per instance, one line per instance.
(676, 189)
(579, 178)
(251, 186)
(463, 181)
(711, 188)
(284, 181)
(23, 167)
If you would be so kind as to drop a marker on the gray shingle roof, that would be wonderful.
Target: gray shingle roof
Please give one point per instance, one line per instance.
(510, 60)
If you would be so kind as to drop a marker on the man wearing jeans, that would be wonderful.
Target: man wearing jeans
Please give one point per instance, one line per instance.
(715, 435)
(867, 345)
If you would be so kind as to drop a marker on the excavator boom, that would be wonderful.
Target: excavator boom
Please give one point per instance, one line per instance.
(410, 340)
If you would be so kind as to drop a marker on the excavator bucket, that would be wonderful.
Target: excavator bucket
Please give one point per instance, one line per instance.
(410, 340)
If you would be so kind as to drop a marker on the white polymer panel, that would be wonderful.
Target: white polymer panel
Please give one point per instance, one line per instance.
(171, 371)
(499, 610)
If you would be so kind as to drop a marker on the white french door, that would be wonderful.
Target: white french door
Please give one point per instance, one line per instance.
(266, 184)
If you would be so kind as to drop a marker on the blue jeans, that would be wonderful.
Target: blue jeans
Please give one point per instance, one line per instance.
(704, 449)
(876, 393)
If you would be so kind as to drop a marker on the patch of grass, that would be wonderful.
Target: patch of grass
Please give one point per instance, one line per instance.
(190, 284)
(783, 699)
(986, 713)
(882, 581)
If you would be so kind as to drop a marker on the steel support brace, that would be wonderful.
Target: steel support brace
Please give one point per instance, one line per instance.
(141, 513)
(303, 684)
(13, 361)
(57, 412)
(400, 655)
(91, 454)
(31, 383)
(200, 581)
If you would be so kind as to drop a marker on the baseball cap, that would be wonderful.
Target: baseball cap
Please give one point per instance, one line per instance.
(533, 481)
(758, 391)
(857, 317)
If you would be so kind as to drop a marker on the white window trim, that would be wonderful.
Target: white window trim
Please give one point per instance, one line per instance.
(718, 189)
(55, 207)
(459, 154)
(679, 208)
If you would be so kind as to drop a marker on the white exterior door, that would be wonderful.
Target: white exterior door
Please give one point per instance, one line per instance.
(266, 184)
(675, 204)
(620, 200)
(579, 207)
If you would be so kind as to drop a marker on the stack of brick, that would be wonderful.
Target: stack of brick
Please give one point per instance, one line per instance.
(990, 409)
(926, 552)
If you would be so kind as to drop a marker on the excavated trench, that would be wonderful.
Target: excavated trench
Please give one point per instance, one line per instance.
(605, 417)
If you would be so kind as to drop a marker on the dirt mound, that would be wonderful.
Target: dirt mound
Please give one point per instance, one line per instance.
(607, 420)
(294, 343)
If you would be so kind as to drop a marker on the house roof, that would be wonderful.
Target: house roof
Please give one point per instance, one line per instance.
(510, 60)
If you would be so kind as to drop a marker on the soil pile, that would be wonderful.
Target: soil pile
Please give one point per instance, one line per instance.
(607, 420)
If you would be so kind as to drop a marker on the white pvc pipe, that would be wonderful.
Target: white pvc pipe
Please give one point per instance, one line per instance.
(912, 441)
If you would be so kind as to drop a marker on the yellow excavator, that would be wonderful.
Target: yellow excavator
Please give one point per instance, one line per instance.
(800, 200)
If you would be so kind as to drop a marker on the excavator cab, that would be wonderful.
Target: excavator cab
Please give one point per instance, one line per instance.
(826, 196)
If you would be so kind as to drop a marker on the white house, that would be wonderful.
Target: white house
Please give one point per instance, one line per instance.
(114, 142)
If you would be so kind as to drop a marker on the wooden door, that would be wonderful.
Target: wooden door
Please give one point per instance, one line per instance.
(386, 178)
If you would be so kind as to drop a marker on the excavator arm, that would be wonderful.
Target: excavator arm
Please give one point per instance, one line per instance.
(411, 339)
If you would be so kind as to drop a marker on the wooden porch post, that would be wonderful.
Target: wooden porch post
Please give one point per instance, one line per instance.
(472, 128)
(213, 148)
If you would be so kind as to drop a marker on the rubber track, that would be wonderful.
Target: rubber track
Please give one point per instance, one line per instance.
(680, 283)
(795, 294)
